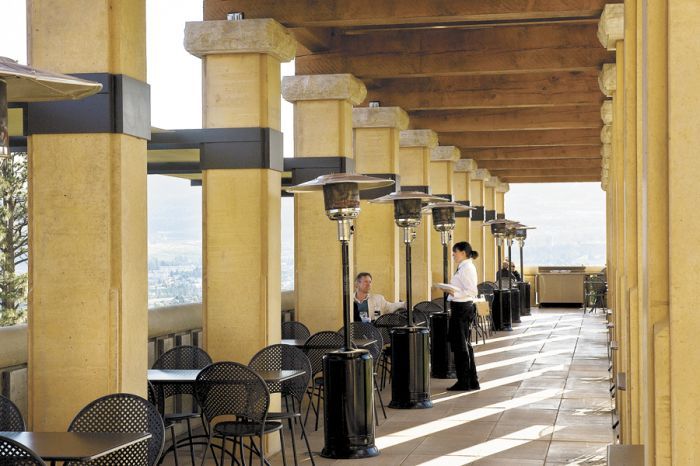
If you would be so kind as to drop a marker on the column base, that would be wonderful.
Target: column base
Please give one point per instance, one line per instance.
(410, 371)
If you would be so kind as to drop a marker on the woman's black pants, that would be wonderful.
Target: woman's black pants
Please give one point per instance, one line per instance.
(461, 320)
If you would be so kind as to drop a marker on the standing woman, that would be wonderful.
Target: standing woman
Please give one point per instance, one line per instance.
(462, 316)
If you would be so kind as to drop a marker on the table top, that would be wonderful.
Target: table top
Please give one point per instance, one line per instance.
(75, 446)
(188, 376)
(359, 342)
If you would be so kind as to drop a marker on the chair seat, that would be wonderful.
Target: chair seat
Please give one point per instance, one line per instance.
(177, 417)
(245, 429)
(282, 415)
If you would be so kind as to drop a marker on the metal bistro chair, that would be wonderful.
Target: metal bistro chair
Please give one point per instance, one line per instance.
(385, 323)
(430, 307)
(482, 322)
(368, 331)
(154, 399)
(295, 331)
(237, 394)
(285, 357)
(596, 290)
(123, 412)
(315, 348)
(15, 454)
(10, 417)
(181, 357)
(420, 318)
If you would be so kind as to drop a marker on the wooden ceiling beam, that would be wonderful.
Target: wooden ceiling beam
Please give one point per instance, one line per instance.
(532, 153)
(494, 91)
(357, 13)
(498, 166)
(468, 140)
(550, 179)
(313, 39)
(450, 52)
(575, 117)
(547, 172)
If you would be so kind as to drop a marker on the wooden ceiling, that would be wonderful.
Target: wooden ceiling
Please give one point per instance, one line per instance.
(512, 83)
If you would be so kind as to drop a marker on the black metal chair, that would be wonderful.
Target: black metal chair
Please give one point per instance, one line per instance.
(181, 357)
(369, 332)
(596, 290)
(385, 323)
(430, 307)
(154, 399)
(315, 348)
(234, 401)
(10, 417)
(123, 412)
(13, 453)
(420, 318)
(285, 357)
(295, 331)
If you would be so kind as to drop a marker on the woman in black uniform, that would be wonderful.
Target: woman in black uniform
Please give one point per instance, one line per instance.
(462, 316)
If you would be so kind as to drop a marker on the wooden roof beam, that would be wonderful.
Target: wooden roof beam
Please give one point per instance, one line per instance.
(356, 13)
(493, 91)
(468, 140)
(574, 117)
(498, 166)
(445, 52)
(551, 179)
(532, 153)
(548, 172)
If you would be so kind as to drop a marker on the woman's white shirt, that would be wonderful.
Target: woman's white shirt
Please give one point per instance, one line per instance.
(466, 280)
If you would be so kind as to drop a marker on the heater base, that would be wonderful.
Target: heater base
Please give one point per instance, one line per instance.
(410, 368)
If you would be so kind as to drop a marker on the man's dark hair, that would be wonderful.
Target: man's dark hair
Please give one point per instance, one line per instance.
(362, 275)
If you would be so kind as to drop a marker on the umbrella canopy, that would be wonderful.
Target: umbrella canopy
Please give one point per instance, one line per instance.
(26, 84)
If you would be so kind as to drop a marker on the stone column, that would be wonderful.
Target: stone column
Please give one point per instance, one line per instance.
(478, 232)
(442, 165)
(462, 189)
(490, 250)
(414, 168)
(88, 297)
(240, 186)
(501, 191)
(322, 136)
(376, 234)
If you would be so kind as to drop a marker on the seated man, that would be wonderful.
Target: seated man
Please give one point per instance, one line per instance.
(368, 306)
(508, 270)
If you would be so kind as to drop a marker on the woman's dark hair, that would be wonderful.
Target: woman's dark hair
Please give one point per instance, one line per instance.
(466, 248)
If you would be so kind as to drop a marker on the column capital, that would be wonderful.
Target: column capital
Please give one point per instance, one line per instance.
(480, 174)
(323, 87)
(606, 112)
(418, 138)
(503, 187)
(445, 154)
(606, 134)
(465, 165)
(246, 36)
(379, 117)
(607, 79)
(492, 182)
(611, 26)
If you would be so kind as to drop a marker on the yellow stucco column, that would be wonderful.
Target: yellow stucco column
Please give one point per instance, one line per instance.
(501, 191)
(376, 234)
(478, 232)
(462, 190)
(322, 129)
(88, 300)
(414, 168)
(240, 191)
(442, 164)
(490, 250)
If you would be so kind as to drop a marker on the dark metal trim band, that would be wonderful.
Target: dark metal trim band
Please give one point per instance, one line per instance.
(449, 197)
(501, 216)
(489, 215)
(419, 188)
(301, 169)
(466, 214)
(379, 192)
(478, 213)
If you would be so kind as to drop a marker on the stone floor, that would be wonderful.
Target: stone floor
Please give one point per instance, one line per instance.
(543, 401)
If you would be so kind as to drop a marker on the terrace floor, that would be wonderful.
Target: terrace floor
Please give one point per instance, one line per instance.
(544, 400)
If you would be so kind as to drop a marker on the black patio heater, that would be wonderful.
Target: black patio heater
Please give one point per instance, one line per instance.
(441, 358)
(515, 303)
(520, 237)
(410, 345)
(21, 83)
(348, 409)
(501, 319)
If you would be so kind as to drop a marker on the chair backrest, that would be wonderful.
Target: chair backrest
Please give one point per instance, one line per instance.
(123, 412)
(429, 307)
(487, 289)
(280, 358)
(182, 357)
(318, 345)
(367, 331)
(232, 389)
(295, 331)
(419, 317)
(13, 453)
(386, 322)
(10, 417)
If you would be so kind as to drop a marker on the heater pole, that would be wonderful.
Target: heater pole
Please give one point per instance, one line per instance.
(498, 282)
(344, 248)
(522, 269)
(409, 291)
(444, 274)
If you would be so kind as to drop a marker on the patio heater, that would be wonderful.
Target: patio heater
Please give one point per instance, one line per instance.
(410, 345)
(499, 229)
(441, 358)
(520, 236)
(515, 303)
(347, 373)
(21, 83)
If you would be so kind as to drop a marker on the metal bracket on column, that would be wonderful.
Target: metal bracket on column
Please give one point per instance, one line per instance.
(379, 192)
(298, 170)
(466, 213)
(501, 216)
(123, 106)
(489, 215)
(478, 213)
